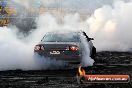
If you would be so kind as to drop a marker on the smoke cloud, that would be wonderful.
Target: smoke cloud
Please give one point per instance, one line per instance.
(18, 53)
(86, 59)
(17, 50)
(110, 25)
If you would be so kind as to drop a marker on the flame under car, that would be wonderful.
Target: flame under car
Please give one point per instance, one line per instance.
(64, 46)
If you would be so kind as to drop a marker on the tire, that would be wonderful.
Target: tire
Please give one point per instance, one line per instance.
(93, 53)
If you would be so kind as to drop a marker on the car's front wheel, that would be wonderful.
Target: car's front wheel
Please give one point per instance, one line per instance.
(93, 53)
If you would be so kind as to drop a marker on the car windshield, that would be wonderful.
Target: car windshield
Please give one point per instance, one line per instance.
(61, 37)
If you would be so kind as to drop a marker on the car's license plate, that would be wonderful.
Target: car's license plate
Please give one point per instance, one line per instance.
(55, 52)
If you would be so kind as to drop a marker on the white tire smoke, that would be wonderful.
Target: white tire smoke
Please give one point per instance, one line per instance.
(109, 25)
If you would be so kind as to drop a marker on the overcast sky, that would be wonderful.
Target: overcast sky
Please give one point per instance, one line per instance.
(66, 3)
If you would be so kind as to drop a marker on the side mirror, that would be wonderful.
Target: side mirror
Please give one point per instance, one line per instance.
(91, 38)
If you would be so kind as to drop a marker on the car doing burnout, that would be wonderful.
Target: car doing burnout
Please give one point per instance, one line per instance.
(64, 46)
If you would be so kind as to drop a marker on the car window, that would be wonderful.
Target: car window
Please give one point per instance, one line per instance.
(61, 37)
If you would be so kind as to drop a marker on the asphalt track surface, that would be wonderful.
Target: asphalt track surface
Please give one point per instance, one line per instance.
(106, 63)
